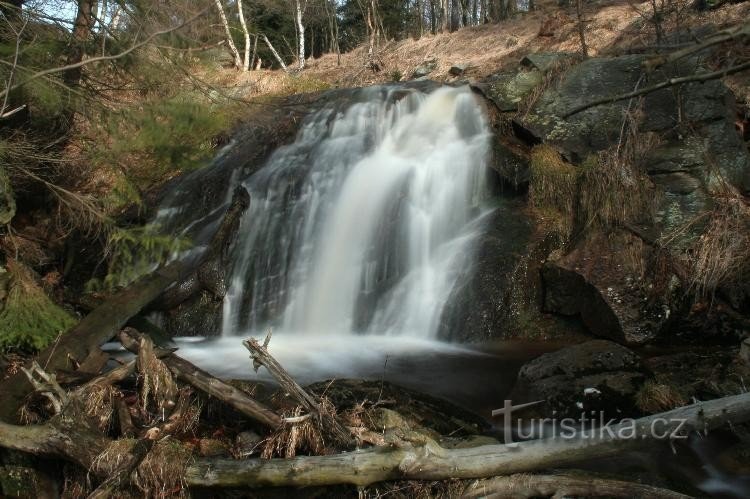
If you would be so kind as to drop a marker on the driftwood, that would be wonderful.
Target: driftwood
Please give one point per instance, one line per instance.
(559, 486)
(209, 273)
(96, 328)
(104, 322)
(429, 461)
(328, 422)
(200, 379)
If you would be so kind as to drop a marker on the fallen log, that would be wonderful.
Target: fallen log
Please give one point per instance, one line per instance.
(96, 328)
(200, 379)
(529, 486)
(429, 461)
(103, 323)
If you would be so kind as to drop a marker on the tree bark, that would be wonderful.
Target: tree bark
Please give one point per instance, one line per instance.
(81, 31)
(300, 34)
(243, 23)
(431, 462)
(275, 54)
(230, 40)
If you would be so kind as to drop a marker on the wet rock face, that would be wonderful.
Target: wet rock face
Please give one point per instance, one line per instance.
(597, 375)
(476, 309)
(7, 201)
(605, 280)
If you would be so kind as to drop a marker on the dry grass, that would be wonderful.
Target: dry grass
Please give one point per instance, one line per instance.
(99, 404)
(552, 190)
(158, 388)
(654, 397)
(161, 474)
(292, 438)
(721, 255)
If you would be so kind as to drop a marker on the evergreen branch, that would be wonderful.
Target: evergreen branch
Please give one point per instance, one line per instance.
(68, 67)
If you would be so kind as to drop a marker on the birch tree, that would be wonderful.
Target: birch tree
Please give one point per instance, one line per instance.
(246, 62)
(230, 41)
(300, 8)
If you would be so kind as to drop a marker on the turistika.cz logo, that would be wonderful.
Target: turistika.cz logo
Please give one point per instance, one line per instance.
(591, 425)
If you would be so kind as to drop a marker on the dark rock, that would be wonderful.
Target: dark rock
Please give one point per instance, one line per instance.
(544, 61)
(424, 69)
(247, 443)
(458, 69)
(597, 375)
(702, 374)
(507, 90)
(476, 307)
(416, 409)
(603, 279)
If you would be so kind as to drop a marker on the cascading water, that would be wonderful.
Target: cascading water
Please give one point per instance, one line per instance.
(366, 221)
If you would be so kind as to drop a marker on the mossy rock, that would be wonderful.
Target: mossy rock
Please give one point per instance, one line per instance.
(29, 319)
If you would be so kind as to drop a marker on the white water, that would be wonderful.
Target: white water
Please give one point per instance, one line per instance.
(366, 221)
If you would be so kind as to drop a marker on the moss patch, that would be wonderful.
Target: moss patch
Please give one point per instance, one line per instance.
(552, 190)
(29, 320)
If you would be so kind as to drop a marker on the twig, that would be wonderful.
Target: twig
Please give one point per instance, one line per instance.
(664, 84)
(68, 67)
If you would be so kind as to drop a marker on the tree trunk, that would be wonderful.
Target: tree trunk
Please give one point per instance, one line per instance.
(300, 35)
(96, 328)
(230, 40)
(275, 54)
(243, 23)
(582, 28)
(429, 461)
(81, 31)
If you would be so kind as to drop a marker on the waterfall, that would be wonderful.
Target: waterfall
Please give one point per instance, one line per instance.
(366, 221)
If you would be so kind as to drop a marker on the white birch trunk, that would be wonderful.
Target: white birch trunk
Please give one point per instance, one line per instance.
(246, 62)
(230, 41)
(275, 54)
(300, 35)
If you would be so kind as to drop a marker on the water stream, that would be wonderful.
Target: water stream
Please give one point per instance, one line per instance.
(363, 224)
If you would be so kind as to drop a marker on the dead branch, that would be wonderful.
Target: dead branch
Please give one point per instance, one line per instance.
(716, 39)
(261, 357)
(96, 328)
(558, 486)
(214, 387)
(701, 77)
(107, 488)
(431, 462)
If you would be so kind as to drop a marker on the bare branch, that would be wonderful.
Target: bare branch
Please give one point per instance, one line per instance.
(68, 67)
(701, 77)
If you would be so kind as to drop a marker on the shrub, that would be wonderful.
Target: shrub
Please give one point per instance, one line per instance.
(29, 320)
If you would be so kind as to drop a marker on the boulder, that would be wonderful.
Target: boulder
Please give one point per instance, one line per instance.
(605, 280)
(506, 90)
(458, 69)
(424, 69)
(544, 61)
(598, 375)
(477, 306)
(7, 201)
(710, 149)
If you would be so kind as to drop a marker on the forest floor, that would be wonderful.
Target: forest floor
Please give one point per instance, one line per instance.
(614, 27)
